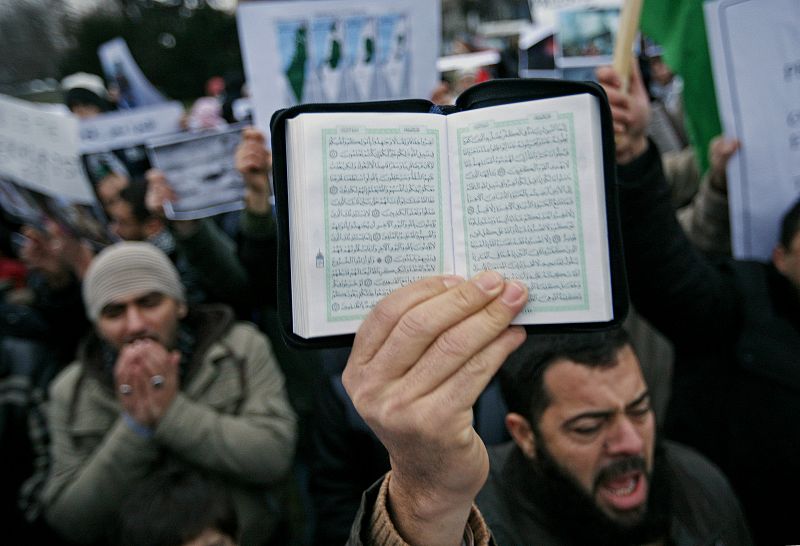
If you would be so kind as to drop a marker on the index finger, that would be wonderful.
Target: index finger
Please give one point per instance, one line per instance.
(385, 315)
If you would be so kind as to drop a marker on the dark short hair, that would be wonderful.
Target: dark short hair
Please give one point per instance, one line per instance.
(522, 374)
(173, 505)
(134, 194)
(79, 96)
(790, 225)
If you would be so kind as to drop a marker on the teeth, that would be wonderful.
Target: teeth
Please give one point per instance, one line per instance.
(622, 491)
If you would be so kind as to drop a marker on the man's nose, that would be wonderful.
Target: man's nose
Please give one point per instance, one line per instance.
(624, 438)
(134, 320)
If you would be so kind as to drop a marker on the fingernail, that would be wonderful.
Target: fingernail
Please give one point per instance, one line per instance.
(452, 280)
(512, 293)
(488, 281)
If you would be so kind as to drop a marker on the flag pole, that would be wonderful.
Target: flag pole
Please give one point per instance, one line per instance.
(626, 34)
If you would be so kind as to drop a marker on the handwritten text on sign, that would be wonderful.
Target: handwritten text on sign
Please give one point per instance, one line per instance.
(39, 150)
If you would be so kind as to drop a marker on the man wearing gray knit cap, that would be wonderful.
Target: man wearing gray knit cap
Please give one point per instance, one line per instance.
(159, 382)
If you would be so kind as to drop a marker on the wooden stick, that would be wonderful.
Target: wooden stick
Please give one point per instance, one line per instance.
(623, 47)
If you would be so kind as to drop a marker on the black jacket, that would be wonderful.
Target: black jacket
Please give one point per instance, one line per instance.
(705, 511)
(736, 330)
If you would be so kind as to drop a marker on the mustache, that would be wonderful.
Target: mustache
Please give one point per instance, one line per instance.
(633, 463)
(131, 339)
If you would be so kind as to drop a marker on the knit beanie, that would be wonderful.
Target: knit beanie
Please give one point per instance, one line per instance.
(127, 268)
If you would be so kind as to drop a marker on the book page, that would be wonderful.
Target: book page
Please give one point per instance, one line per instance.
(529, 196)
(377, 211)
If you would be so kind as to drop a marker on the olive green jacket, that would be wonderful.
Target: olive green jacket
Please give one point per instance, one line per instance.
(231, 417)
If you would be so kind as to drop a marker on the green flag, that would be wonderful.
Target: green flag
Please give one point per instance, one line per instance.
(679, 26)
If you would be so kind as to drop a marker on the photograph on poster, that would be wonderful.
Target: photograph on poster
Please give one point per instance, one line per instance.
(33, 208)
(360, 58)
(585, 36)
(19, 204)
(200, 170)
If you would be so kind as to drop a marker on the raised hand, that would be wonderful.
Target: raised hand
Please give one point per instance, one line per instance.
(419, 362)
(630, 112)
(720, 151)
(254, 162)
(158, 192)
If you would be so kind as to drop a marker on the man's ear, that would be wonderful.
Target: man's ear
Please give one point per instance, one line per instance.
(522, 433)
(779, 258)
(182, 310)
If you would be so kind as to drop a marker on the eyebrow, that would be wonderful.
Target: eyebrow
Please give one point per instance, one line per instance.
(113, 306)
(605, 414)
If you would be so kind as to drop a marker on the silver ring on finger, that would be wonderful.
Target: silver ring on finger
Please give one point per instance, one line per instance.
(125, 389)
(157, 381)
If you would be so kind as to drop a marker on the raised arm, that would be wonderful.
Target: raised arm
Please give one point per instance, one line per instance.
(705, 219)
(258, 246)
(209, 251)
(671, 284)
(420, 360)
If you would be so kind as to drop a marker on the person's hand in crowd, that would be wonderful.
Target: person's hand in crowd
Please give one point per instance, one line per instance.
(254, 162)
(720, 151)
(418, 364)
(147, 380)
(630, 112)
(55, 253)
(159, 192)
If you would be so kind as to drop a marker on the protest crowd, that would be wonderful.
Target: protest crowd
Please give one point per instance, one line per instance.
(148, 396)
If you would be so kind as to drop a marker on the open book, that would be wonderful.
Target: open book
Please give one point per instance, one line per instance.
(376, 201)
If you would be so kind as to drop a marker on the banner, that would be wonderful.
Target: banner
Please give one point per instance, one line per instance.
(125, 128)
(337, 51)
(39, 149)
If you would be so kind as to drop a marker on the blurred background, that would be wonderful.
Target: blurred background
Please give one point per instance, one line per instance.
(178, 43)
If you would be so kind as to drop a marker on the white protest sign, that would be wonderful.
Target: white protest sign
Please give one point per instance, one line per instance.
(201, 171)
(468, 61)
(125, 128)
(337, 51)
(39, 150)
(755, 51)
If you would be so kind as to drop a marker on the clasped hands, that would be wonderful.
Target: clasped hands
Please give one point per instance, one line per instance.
(147, 380)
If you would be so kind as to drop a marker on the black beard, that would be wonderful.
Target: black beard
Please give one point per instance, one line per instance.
(575, 515)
